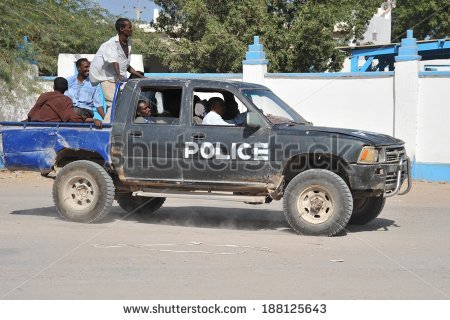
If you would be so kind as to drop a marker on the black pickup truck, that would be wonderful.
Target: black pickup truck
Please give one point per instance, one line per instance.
(327, 177)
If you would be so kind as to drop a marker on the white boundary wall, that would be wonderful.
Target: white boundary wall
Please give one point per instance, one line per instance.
(433, 120)
(364, 103)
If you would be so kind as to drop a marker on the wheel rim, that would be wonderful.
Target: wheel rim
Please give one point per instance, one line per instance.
(80, 193)
(315, 204)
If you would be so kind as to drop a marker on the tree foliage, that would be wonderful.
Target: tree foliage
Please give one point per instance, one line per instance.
(299, 35)
(427, 18)
(53, 27)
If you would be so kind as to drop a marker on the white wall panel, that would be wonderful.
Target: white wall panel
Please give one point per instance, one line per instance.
(362, 103)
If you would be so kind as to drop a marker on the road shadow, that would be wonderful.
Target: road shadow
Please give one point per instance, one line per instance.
(213, 217)
(221, 218)
(192, 216)
(43, 212)
(375, 225)
(379, 224)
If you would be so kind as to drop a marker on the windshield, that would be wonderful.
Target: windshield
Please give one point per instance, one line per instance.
(273, 107)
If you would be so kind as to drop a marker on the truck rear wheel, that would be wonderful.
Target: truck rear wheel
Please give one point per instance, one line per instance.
(140, 205)
(317, 202)
(83, 192)
(366, 209)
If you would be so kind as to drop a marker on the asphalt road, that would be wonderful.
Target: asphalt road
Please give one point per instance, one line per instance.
(219, 250)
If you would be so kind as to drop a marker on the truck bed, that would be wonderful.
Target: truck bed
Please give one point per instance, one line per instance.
(34, 146)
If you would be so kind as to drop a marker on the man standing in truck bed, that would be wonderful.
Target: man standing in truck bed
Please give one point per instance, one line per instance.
(112, 61)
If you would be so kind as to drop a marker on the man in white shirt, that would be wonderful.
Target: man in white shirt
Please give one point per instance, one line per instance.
(112, 61)
(214, 116)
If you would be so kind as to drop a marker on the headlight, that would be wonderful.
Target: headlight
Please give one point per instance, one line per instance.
(368, 155)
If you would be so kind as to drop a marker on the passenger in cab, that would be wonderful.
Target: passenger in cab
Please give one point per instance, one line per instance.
(56, 107)
(232, 113)
(143, 113)
(199, 110)
(231, 106)
(214, 116)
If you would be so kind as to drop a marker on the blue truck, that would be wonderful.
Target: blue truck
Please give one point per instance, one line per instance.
(327, 177)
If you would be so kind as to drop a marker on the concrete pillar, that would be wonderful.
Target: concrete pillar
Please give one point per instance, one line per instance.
(406, 85)
(254, 67)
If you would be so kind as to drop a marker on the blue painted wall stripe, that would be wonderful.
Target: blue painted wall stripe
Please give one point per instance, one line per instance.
(195, 75)
(423, 74)
(436, 172)
(178, 75)
(332, 75)
(46, 78)
(281, 75)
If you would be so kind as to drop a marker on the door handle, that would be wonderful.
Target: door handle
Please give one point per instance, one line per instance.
(136, 134)
(198, 136)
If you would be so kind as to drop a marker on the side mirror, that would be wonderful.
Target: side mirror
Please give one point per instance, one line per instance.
(253, 120)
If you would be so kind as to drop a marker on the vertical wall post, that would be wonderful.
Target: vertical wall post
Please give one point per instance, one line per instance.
(254, 67)
(354, 64)
(406, 92)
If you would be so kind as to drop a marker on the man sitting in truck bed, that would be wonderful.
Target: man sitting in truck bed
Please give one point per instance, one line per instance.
(56, 107)
(85, 96)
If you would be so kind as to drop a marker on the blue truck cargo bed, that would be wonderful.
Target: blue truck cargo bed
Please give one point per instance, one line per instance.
(34, 146)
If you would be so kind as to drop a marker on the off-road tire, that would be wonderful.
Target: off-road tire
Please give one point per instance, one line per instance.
(83, 192)
(143, 206)
(317, 202)
(366, 209)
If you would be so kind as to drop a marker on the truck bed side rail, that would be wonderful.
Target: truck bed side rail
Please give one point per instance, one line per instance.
(51, 124)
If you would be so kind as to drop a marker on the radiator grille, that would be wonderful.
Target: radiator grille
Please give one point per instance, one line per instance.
(393, 154)
(391, 180)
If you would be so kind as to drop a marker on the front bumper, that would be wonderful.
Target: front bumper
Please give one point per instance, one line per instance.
(381, 177)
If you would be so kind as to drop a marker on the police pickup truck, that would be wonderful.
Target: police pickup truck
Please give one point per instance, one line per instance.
(326, 177)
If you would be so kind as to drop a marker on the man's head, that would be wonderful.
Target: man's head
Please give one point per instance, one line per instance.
(123, 26)
(60, 84)
(143, 109)
(217, 105)
(83, 65)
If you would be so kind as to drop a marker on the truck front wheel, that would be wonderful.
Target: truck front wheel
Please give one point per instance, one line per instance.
(317, 202)
(140, 205)
(366, 209)
(83, 192)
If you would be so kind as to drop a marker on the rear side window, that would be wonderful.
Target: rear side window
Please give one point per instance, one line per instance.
(158, 105)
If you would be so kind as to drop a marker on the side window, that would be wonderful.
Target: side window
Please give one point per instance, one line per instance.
(217, 107)
(160, 105)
